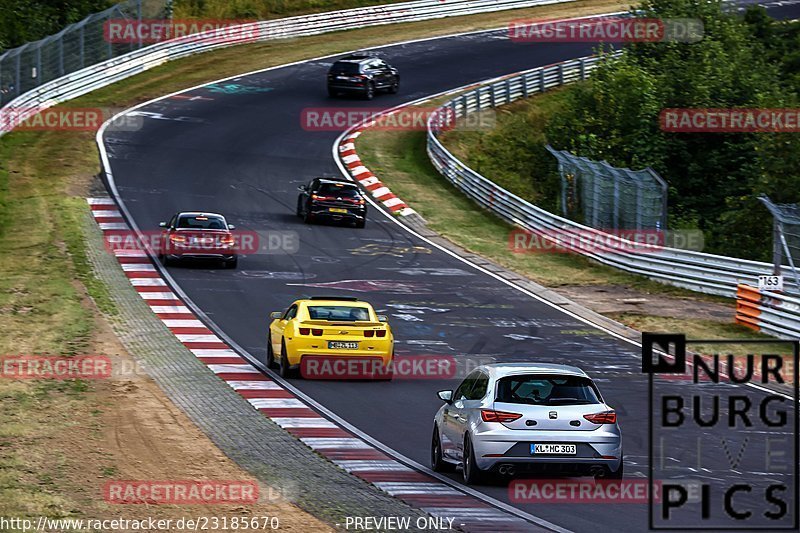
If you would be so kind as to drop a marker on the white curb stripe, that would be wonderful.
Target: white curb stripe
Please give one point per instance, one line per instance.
(264, 403)
(214, 352)
(170, 309)
(105, 226)
(181, 323)
(100, 201)
(371, 180)
(148, 282)
(392, 202)
(381, 191)
(373, 466)
(137, 267)
(99, 213)
(401, 487)
(254, 385)
(289, 422)
(193, 337)
(322, 443)
(158, 296)
(350, 159)
(233, 369)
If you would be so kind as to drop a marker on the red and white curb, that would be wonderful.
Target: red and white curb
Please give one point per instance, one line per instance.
(338, 445)
(360, 173)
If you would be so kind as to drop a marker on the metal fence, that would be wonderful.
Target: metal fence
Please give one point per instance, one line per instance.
(112, 70)
(603, 196)
(713, 274)
(786, 236)
(77, 46)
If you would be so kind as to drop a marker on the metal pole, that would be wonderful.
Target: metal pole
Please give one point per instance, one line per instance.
(139, 18)
(82, 35)
(789, 258)
(777, 235)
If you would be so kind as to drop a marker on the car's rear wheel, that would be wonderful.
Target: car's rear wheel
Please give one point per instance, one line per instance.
(285, 370)
(618, 474)
(395, 87)
(361, 223)
(333, 93)
(307, 217)
(472, 474)
(299, 210)
(231, 263)
(270, 352)
(369, 93)
(438, 464)
(164, 259)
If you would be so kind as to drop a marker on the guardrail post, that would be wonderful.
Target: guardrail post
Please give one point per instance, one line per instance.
(561, 73)
(478, 99)
(525, 85)
(583, 68)
(508, 91)
(541, 81)
(492, 95)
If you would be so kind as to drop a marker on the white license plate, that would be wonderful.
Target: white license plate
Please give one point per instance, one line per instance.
(553, 449)
(343, 77)
(340, 345)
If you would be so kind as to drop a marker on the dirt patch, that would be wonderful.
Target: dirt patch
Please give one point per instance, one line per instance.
(619, 299)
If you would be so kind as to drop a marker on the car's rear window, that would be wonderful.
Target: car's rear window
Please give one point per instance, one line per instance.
(201, 222)
(333, 189)
(538, 389)
(337, 312)
(345, 68)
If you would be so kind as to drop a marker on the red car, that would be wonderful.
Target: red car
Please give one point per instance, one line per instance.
(197, 235)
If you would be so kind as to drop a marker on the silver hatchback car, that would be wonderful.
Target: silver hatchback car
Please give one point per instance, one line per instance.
(526, 417)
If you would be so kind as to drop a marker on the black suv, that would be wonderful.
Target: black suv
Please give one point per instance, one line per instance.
(332, 199)
(363, 74)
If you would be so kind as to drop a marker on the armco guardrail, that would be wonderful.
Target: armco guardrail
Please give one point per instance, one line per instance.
(713, 274)
(107, 72)
(769, 312)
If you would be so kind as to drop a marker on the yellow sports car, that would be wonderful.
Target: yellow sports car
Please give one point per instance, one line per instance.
(331, 338)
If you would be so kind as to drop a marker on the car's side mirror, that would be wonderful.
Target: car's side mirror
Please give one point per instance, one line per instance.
(231, 226)
(445, 395)
(302, 188)
(162, 224)
(383, 318)
(275, 315)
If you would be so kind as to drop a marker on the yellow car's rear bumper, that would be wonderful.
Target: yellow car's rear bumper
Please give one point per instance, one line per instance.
(299, 347)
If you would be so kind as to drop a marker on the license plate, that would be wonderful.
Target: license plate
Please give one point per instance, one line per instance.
(340, 345)
(337, 210)
(553, 449)
(342, 77)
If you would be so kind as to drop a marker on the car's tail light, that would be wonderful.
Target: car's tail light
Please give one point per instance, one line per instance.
(606, 417)
(226, 239)
(318, 197)
(490, 415)
(362, 201)
(380, 333)
(177, 238)
(369, 333)
(316, 332)
(304, 331)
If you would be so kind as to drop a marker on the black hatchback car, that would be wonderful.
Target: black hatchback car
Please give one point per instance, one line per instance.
(362, 74)
(331, 199)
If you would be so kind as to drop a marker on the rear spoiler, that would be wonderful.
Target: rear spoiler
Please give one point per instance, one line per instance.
(349, 324)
